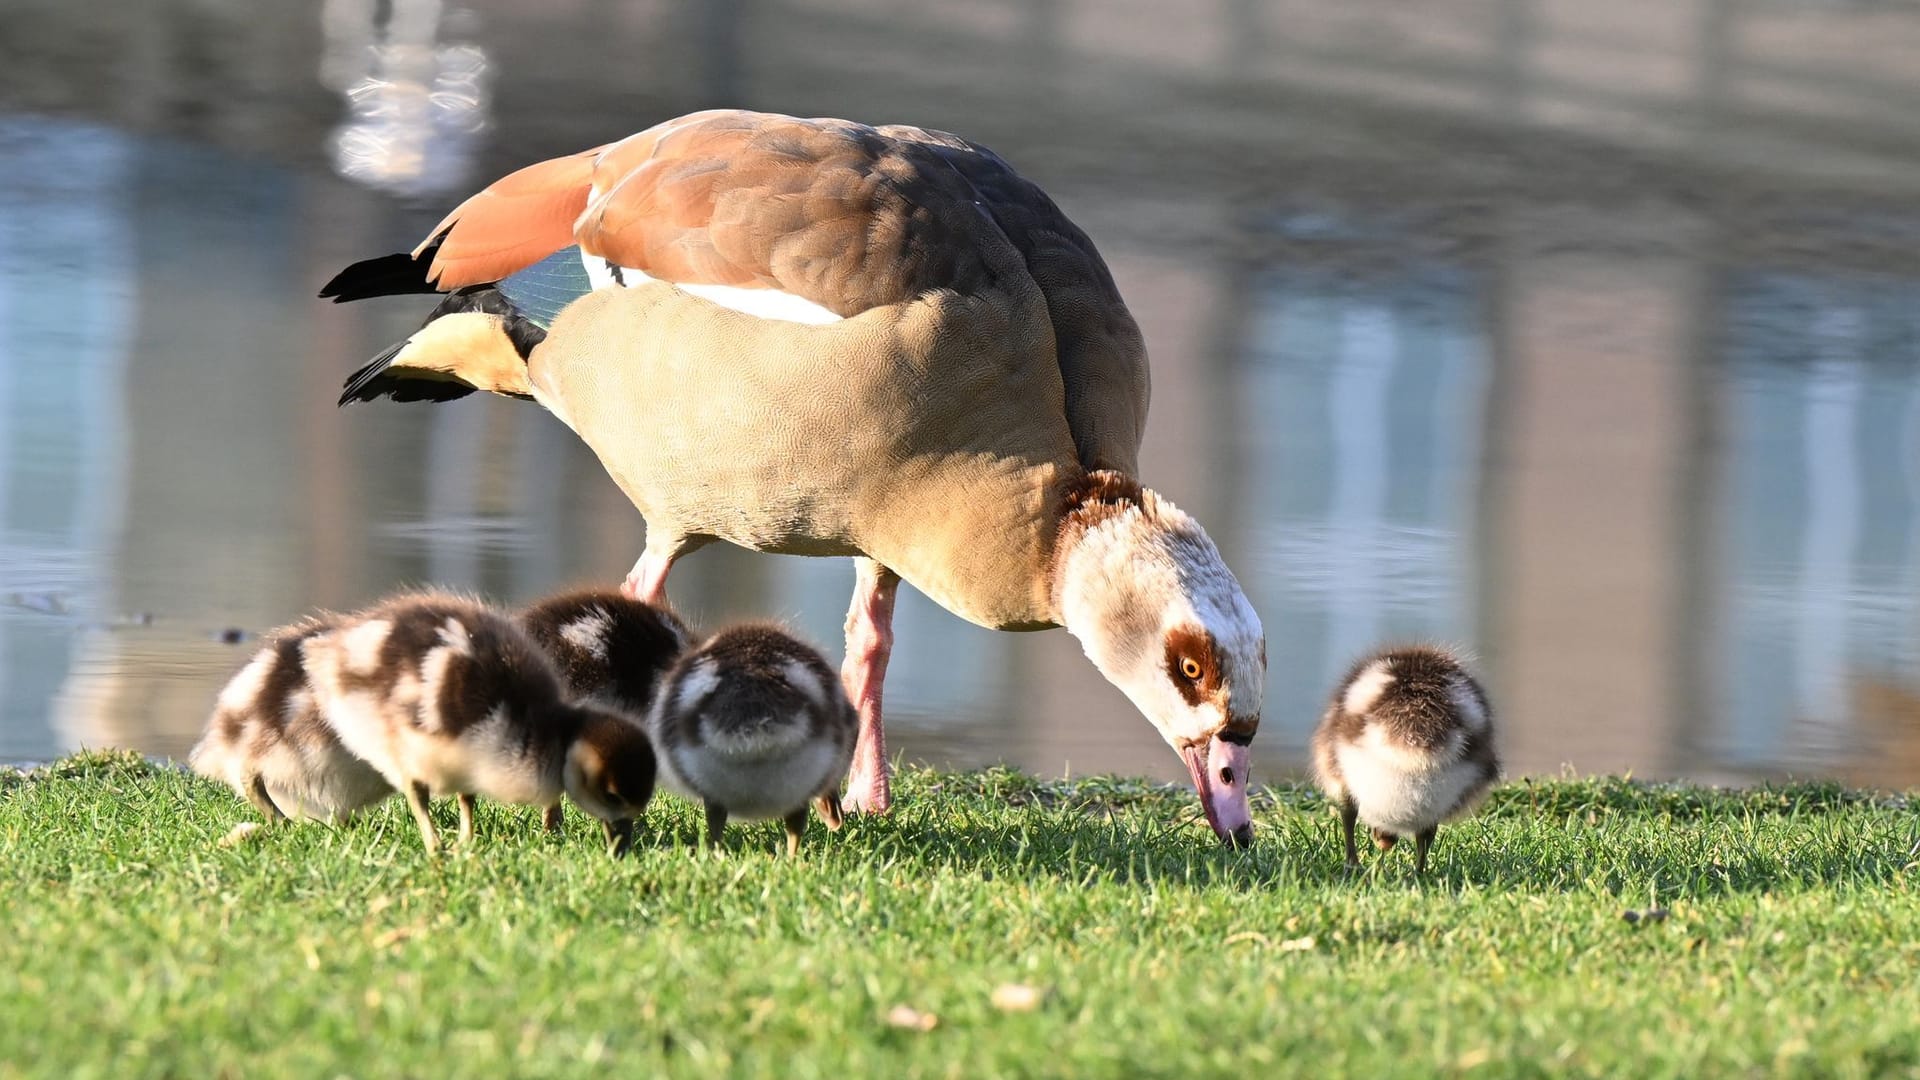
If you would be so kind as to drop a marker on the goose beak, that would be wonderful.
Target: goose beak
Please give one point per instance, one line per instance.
(1219, 771)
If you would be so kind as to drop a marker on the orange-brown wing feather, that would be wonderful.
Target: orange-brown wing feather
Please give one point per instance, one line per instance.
(512, 223)
(848, 216)
(828, 210)
(1103, 360)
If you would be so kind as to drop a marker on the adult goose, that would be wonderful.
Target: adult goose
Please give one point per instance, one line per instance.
(816, 337)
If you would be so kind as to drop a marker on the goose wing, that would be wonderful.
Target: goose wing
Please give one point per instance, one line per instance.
(845, 216)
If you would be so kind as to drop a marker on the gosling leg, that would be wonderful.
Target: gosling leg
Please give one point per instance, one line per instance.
(1349, 817)
(466, 818)
(828, 804)
(257, 795)
(716, 826)
(796, 828)
(417, 802)
(1421, 843)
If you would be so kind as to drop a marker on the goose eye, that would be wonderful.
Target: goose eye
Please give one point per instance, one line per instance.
(1190, 668)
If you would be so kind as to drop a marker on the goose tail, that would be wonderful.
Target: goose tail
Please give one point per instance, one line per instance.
(475, 340)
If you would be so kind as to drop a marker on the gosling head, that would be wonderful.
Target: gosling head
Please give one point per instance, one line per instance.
(610, 772)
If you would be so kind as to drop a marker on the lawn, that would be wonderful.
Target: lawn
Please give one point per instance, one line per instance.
(132, 943)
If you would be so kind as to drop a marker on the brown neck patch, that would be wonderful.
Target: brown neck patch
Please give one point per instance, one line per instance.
(1088, 500)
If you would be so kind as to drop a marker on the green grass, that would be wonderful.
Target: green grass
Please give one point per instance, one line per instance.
(132, 944)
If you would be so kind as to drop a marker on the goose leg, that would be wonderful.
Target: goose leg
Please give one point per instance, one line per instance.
(869, 644)
(647, 581)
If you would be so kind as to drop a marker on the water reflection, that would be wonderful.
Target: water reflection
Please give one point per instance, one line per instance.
(1383, 388)
(416, 104)
(1822, 510)
(1453, 338)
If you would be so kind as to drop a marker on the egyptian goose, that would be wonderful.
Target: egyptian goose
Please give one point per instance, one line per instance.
(609, 649)
(1406, 743)
(267, 740)
(443, 697)
(816, 337)
(753, 724)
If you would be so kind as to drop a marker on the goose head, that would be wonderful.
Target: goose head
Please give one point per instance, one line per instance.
(1145, 591)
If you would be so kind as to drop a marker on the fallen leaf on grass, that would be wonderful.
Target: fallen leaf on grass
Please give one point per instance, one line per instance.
(1017, 997)
(388, 938)
(1299, 944)
(240, 834)
(906, 1016)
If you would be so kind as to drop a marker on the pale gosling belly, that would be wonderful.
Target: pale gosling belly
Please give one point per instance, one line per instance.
(767, 785)
(1400, 799)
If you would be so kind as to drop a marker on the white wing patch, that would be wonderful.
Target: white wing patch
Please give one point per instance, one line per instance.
(590, 632)
(453, 634)
(695, 685)
(801, 678)
(760, 303)
(243, 691)
(1364, 692)
(362, 645)
(1467, 704)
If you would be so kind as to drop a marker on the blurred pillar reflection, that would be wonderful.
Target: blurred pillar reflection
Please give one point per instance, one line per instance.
(1597, 437)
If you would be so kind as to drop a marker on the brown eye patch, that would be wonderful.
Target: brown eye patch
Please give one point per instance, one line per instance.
(1193, 664)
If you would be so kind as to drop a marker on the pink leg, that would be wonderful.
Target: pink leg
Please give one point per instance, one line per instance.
(869, 644)
(647, 581)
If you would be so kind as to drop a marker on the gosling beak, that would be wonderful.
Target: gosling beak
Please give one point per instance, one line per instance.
(1219, 771)
(619, 836)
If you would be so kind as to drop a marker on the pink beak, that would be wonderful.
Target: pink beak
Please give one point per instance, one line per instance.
(1220, 777)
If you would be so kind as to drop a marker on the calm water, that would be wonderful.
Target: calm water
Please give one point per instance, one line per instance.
(1590, 342)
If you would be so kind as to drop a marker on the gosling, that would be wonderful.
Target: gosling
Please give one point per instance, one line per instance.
(444, 697)
(268, 741)
(1406, 743)
(754, 724)
(609, 649)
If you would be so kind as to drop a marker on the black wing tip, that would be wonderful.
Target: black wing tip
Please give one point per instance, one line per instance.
(371, 380)
(399, 274)
(374, 381)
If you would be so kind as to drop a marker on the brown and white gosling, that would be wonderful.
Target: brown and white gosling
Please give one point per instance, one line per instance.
(1406, 743)
(754, 724)
(445, 697)
(268, 741)
(609, 649)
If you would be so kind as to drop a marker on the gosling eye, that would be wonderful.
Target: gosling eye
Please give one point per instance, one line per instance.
(1190, 668)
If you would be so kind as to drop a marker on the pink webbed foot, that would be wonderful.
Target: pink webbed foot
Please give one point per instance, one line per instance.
(869, 790)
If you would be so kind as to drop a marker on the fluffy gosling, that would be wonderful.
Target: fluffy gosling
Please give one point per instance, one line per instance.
(609, 649)
(753, 724)
(444, 697)
(1406, 743)
(607, 646)
(267, 740)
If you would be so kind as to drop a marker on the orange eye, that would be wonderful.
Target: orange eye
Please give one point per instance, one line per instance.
(1190, 668)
